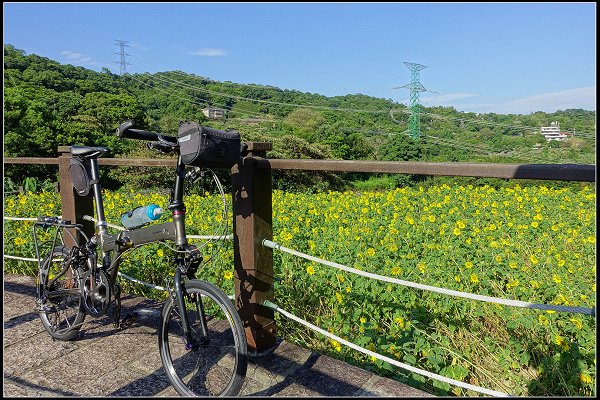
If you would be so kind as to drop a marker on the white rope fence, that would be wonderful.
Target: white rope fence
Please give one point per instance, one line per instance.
(23, 218)
(489, 299)
(88, 218)
(142, 282)
(277, 246)
(384, 358)
(231, 296)
(119, 273)
(203, 237)
(19, 258)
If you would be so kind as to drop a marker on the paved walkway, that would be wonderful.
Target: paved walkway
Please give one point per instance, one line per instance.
(125, 361)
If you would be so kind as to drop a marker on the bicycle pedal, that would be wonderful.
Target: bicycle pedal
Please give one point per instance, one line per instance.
(128, 319)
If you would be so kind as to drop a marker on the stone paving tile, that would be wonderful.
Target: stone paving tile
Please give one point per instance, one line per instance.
(97, 328)
(18, 292)
(14, 386)
(328, 377)
(19, 304)
(124, 382)
(9, 297)
(168, 392)
(378, 386)
(285, 358)
(19, 283)
(90, 360)
(112, 362)
(19, 328)
(296, 389)
(15, 390)
(254, 388)
(268, 370)
(150, 363)
(33, 352)
(57, 377)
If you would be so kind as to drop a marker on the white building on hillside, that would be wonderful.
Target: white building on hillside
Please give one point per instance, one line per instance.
(552, 132)
(213, 112)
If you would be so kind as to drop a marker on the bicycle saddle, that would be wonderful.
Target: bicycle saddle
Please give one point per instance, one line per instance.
(88, 151)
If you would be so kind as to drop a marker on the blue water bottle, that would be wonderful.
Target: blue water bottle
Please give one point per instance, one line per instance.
(141, 216)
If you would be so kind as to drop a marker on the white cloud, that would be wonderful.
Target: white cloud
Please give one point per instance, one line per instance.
(584, 97)
(208, 52)
(78, 58)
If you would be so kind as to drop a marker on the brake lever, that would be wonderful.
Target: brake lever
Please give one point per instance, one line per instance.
(161, 148)
(167, 143)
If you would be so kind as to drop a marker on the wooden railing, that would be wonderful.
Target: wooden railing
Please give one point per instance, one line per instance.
(252, 211)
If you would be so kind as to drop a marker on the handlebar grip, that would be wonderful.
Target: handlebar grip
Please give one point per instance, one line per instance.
(124, 131)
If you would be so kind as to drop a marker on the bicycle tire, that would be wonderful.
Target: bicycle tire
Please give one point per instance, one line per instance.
(60, 307)
(214, 369)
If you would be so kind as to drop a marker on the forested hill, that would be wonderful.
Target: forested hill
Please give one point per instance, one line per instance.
(47, 104)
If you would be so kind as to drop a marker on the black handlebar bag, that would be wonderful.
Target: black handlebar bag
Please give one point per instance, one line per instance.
(200, 146)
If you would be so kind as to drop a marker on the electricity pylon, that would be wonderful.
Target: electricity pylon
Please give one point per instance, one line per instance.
(122, 44)
(415, 88)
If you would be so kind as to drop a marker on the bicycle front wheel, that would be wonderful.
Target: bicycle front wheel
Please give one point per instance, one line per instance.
(59, 295)
(216, 364)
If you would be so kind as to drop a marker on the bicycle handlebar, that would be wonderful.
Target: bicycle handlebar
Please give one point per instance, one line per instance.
(125, 131)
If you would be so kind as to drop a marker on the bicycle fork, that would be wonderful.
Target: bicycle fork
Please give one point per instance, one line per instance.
(191, 342)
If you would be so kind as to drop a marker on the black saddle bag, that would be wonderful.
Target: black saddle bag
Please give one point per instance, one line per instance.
(200, 146)
(80, 172)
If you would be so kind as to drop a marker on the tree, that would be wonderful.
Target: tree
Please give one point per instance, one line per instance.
(400, 147)
(351, 146)
(306, 123)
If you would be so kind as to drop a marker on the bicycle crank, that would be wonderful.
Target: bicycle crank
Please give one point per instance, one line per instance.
(96, 293)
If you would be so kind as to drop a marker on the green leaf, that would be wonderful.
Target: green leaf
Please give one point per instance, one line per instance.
(410, 359)
(441, 385)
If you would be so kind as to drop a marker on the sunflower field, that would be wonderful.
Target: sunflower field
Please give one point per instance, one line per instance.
(531, 243)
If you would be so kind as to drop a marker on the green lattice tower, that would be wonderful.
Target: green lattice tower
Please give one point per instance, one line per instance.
(415, 108)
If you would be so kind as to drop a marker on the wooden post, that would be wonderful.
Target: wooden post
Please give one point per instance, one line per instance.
(74, 207)
(252, 222)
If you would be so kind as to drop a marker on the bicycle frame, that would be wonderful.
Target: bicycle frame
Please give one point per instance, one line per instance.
(125, 240)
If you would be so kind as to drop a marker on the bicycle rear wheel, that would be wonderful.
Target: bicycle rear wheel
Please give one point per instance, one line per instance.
(218, 366)
(59, 295)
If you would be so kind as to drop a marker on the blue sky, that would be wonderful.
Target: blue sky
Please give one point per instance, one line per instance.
(480, 57)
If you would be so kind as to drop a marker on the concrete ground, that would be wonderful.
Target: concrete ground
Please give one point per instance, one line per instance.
(105, 361)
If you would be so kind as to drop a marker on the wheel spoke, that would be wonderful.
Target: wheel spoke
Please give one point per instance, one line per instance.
(60, 303)
(215, 368)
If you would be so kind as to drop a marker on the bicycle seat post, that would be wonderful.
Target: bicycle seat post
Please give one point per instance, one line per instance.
(101, 219)
(176, 204)
(91, 154)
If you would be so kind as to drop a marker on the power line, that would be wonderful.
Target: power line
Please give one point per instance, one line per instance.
(481, 122)
(525, 155)
(327, 108)
(480, 149)
(162, 81)
(189, 99)
(443, 141)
